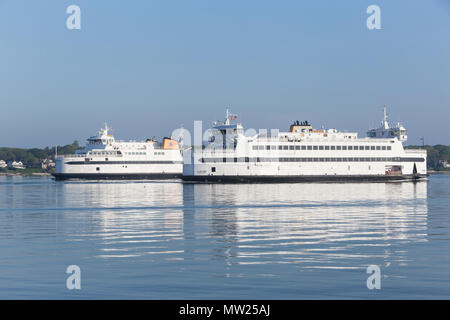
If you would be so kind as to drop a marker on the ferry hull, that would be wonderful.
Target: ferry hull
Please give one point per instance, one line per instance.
(303, 178)
(116, 176)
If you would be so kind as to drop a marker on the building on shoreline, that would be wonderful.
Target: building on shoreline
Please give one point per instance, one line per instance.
(444, 164)
(47, 164)
(16, 165)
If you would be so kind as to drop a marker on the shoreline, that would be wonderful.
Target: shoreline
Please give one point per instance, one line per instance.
(438, 171)
(43, 174)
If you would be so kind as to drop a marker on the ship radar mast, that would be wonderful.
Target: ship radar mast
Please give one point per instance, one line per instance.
(385, 123)
(229, 117)
(105, 130)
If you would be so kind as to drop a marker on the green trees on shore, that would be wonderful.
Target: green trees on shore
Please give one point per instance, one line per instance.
(434, 154)
(32, 157)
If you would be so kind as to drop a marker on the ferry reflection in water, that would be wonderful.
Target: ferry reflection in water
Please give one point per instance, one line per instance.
(134, 218)
(341, 226)
(173, 240)
(313, 225)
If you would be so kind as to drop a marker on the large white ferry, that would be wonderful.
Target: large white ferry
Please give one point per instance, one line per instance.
(105, 158)
(303, 154)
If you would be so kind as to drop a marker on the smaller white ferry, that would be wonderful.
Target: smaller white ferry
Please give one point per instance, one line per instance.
(106, 158)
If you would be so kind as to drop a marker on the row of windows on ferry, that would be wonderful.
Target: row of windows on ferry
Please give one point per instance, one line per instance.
(286, 147)
(117, 153)
(105, 153)
(158, 153)
(348, 159)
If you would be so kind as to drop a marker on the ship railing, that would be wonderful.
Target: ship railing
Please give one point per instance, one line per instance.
(83, 155)
(421, 151)
(75, 155)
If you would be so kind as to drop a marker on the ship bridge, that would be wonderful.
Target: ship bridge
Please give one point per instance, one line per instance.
(101, 140)
(385, 131)
(225, 132)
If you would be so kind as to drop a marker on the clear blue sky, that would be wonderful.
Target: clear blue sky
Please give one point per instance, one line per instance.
(148, 66)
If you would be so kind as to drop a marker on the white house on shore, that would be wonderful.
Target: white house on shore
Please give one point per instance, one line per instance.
(16, 165)
(3, 164)
(444, 164)
(47, 163)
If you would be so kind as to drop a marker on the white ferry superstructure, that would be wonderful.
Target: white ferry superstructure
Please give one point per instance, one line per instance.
(304, 154)
(106, 158)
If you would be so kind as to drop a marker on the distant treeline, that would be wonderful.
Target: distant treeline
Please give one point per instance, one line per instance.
(434, 154)
(32, 157)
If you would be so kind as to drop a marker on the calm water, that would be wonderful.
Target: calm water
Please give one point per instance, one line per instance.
(169, 240)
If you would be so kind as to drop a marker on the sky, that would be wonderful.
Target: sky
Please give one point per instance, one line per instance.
(146, 67)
